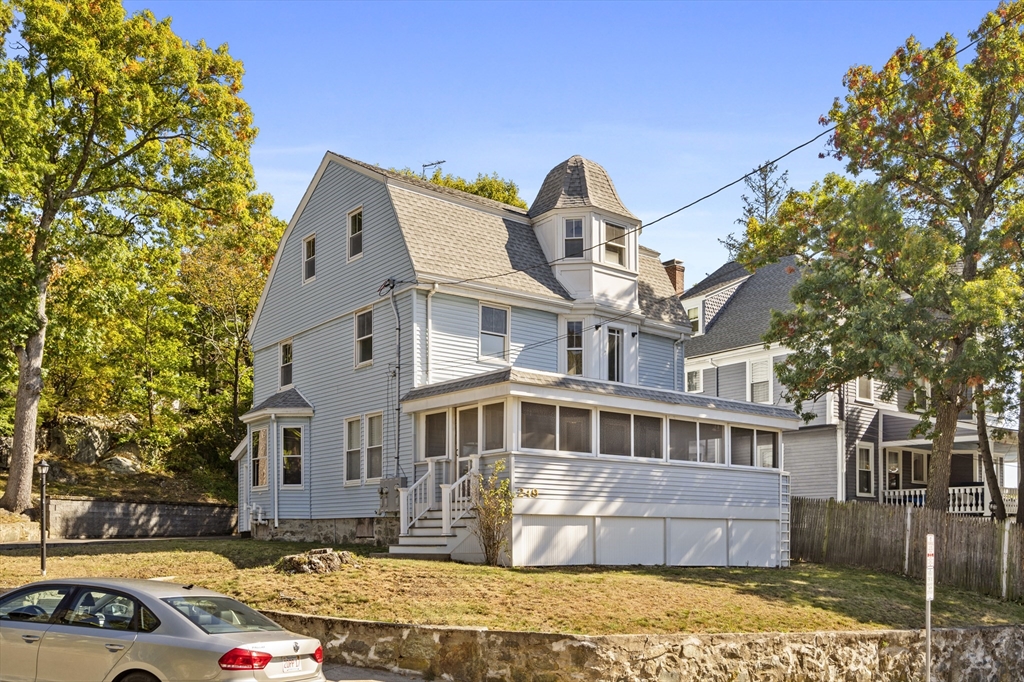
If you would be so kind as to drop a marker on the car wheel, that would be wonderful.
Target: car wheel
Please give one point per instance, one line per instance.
(138, 676)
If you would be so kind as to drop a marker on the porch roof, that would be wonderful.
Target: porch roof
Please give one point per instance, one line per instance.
(513, 375)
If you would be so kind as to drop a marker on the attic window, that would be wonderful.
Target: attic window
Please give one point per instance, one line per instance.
(694, 315)
(574, 238)
(615, 244)
(355, 234)
(309, 258)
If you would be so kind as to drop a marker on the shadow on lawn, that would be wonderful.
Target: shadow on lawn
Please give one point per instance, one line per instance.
(865, 596)
(242, 553)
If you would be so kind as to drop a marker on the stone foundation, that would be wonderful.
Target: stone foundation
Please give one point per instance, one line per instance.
(379, 531)
(479, 655)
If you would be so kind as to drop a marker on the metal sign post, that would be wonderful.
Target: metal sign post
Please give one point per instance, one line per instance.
(929, 595)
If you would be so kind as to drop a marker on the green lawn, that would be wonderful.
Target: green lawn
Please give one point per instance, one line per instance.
(580, 600)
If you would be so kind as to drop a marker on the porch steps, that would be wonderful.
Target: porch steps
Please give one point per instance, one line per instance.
(426, 541)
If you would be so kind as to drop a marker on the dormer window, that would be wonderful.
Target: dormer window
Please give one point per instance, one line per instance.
(574, 238)
(694, 315)
(615, 244)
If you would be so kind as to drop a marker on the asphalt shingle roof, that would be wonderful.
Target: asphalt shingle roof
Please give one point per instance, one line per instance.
(578, 183)
(283, 399)
(657, 296)
(520, 376)
(729, 272)
(747, 315)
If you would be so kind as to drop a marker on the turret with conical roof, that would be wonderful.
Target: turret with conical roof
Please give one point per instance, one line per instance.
(578, 183)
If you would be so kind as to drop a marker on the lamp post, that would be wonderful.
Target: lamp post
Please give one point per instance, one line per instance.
(42, 468)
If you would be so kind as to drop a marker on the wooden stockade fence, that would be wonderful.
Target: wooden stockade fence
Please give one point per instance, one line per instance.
(970, 552)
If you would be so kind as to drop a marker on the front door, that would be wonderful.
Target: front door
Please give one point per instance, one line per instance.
(469, 440)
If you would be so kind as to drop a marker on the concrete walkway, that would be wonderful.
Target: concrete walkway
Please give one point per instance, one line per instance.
(343, 672)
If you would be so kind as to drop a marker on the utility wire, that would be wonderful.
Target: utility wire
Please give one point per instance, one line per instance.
(730, 184)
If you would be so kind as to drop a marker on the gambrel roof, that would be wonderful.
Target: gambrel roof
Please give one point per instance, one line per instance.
(748, 313)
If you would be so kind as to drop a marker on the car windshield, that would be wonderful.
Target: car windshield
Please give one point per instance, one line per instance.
(218, 615)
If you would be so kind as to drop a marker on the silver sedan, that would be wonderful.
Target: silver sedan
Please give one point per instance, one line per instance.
(90, 630)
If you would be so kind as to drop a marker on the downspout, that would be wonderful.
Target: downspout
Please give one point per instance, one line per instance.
(841, 446)
(277, 470)
(675, 364)
(398, 380)
(430, 326)
(715, 365)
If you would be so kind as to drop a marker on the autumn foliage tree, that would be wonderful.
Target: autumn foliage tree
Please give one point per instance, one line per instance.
(912, 275)
(112, 127)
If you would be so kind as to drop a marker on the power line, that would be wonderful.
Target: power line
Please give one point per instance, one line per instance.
(728, 185)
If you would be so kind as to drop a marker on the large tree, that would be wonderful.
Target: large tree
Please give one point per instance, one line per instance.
(111, 127)
(910, 276)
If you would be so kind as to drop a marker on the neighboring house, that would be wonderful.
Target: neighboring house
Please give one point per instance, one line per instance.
(410, 335)
(858, 446)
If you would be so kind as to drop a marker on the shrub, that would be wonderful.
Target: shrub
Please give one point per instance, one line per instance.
(492, 502)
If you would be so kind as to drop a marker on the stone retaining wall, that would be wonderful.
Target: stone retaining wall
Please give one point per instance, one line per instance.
(84, 517)
(477, 654)
(19, 532)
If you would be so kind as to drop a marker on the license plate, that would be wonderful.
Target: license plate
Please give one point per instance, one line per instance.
(291, 664)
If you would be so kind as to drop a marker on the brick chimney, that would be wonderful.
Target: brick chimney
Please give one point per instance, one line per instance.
(675, 270)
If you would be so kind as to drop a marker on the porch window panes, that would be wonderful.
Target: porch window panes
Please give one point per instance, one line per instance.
(615, 434)
(538, 431)
(364, 337)
(918, 467)
(742, 446)
(292, 456)
(355, 234)
(614, 354)
(615, 244)
(309, 258)
(493, 332)
(682, 440)
(574, 238)
(436, 435)
(494, 426)
(759, 382)
(893, 473)
(712, 443)
(574, 347)
(374, 446)
(469, 439)
(259, 458)
(353, 450)
(646, 437)
(865, 480)
(693, 381)
(768, 449)
(286, 364)
(574, 430)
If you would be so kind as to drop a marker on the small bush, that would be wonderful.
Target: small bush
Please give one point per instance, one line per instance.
(492, 502)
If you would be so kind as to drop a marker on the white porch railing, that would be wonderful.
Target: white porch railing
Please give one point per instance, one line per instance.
(415, 500)
(457, 498)
(967, 499)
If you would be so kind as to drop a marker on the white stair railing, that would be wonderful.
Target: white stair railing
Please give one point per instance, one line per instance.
(415, 500)
(457, 498)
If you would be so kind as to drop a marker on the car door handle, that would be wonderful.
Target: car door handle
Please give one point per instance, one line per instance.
(31, 639)
(114, 647)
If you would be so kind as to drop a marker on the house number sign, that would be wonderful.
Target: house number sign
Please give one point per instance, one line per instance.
(527, 492)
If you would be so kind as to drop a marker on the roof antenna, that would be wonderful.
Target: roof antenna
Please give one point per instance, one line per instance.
(430, 165)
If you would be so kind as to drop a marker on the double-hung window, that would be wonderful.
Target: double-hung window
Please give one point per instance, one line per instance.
(364, 337)
(309, 258)
(615, 244)
(353, 450)
(865, 469)
(493, 332)
(574, 347)
(286, 364)
(918, 467)
(291, 460)
(759, 381)
(258, 455)
(865, 392)
(374, 446)
(694, 381)
(355, 234)
(694, 315)
(615, 354)
(574, 238)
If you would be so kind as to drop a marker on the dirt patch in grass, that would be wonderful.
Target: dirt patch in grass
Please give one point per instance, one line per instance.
(579, 600)
(94, 481)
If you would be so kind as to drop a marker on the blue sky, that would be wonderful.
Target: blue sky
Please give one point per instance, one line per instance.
(673, 99)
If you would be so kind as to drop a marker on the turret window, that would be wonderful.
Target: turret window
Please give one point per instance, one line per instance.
(615, 244)
(574, 238)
